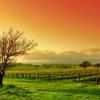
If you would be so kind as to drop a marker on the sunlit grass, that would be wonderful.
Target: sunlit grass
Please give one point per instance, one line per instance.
(25, 89)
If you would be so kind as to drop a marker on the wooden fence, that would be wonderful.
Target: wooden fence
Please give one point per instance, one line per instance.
(49, 76)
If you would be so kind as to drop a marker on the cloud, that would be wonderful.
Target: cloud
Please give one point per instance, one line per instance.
(92, 54)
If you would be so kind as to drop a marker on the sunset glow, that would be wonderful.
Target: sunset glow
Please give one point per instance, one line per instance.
(54, 24)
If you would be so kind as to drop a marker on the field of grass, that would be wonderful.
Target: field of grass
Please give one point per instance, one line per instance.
(52, 69)
(36, 89)
(26, 86)
(52, 72)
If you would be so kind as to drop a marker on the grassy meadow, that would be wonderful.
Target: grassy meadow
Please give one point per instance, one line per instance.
(43, 89)
(25, 89)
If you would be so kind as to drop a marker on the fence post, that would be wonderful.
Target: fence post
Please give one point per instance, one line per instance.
(22, 75)
(78, 77)
(12, 75)
(29, 75)
(49, 76)
(8, 75)
(61, 76)
(96, 80)
(38, 75)
(34, 76)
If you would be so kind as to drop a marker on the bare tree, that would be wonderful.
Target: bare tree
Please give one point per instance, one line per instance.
(12, 44)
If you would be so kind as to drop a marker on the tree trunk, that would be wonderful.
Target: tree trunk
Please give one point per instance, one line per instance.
(2, 73)
(1, 79)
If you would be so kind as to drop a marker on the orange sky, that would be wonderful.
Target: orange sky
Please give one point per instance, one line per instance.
(58, 25)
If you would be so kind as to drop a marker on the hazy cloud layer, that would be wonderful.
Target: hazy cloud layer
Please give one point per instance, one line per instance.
(92, 55)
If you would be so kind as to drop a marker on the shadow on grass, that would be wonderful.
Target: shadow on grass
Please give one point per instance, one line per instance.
(13, 90)
(74, 91)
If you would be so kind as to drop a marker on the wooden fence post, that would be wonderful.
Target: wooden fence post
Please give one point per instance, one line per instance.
(34, 76)
(78, 77)
(12, 75)
(22, 75)
(49, 76)
(96, 80)
(38, 75)
(61, 76)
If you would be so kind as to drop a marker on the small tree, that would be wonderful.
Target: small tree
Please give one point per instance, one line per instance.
(85, 64)
(97, 65)
(12, 44)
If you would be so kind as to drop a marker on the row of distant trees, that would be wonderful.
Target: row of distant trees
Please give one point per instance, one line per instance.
(86, 64)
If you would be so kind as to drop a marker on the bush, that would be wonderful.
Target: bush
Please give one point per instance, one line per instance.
(85, 64)
(97, 65)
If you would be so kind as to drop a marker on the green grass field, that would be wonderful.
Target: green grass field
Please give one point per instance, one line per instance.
(25, 89)
(43, 89)
(42, 69)
(31, 71)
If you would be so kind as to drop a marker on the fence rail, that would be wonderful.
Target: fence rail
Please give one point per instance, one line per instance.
(53, 76)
